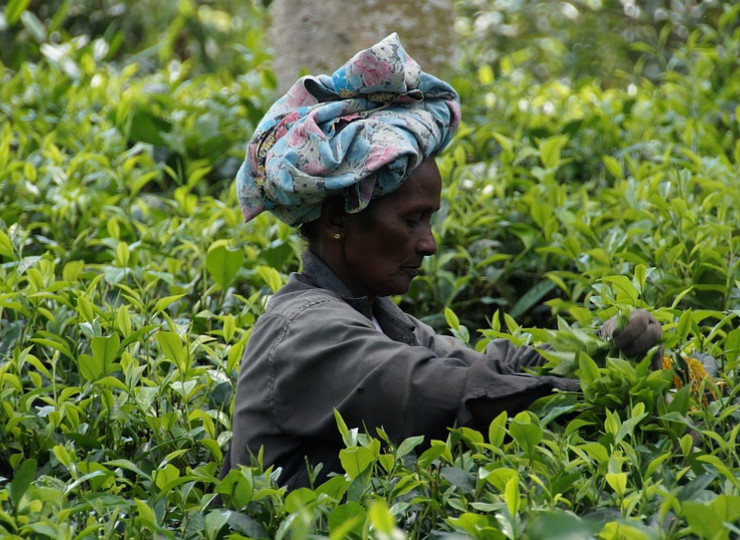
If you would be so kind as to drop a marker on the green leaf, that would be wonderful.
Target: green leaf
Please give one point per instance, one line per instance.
(89, 367)
(60, 452)
(59, 15)
(526, 434)
(167, 301)
(123, 321)
(172, 347)
(703, 521)
(732, 345)
(727, 507)
(357, 459)
(335, 487)
(341, 425)
(628, 426)
(6, 246)
(684, 326)
(85, 309)
(381, 518)
(499, 477)
(531, 297)
(14, 9)
(237, 487)
(561, 525)
(451, 318)
(165, 475)
(717, 463)
(431, 454)
(407, 445)
(617, 481)
(550, 149)
(596, 451)
(346, 519)
(476, 526)
(511, 495)
(613, 166)
(299, 498)
(147, 127)
(271, 277)
(278, 255)
(146, 514)
(625, 290)
(485, 74)
(105, 352)
(655, 463)
(247, 526)
(21, 480)
(587, 371)
(497, 430)
(223, 263)
(215, 520)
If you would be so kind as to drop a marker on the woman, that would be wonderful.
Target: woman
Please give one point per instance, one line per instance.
(350, 159)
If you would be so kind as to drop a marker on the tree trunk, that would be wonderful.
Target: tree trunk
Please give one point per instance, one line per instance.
(318, 36)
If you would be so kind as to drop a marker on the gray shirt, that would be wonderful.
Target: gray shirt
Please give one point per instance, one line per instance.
(316, 349)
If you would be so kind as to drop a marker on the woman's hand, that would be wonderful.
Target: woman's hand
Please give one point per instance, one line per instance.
(639, 335)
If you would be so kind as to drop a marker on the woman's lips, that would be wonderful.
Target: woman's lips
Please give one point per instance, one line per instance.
(412, 271)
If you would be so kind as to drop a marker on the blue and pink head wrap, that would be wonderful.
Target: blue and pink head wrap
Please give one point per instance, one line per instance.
(359, 132)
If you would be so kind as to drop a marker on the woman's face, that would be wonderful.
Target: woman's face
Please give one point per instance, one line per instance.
(383, 246)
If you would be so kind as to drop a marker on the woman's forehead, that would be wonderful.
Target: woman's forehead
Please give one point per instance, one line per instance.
(420, 192)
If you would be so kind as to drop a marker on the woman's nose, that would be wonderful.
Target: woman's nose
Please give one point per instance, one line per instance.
(426, 244)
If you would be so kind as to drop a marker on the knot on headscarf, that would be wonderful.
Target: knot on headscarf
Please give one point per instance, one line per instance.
(359, 132)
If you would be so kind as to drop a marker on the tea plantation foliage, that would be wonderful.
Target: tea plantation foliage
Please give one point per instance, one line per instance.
(597, 171)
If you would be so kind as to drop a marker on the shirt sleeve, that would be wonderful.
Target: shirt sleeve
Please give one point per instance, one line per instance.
(501, 355)
(329, 356)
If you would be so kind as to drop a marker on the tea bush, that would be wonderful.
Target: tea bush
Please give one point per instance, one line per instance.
(129, 285)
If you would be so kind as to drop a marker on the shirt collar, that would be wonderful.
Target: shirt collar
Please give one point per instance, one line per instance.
(393, 320)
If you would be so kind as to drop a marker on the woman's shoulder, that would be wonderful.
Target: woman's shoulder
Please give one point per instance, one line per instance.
(299, 296)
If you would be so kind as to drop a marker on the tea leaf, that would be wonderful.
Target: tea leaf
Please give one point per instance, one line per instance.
(452, 320)
(407, 445)
(6, 246)
(345, 519)
(170, 344)
(613, 166)
(271, 277)
(617, 481)
(215, 521)
(381, 518)
(355, 460)
(703, 521)
(561, 525)
(525, 433)
(105, 352)
(21, 481)
(145, 512)
(715, 462)
(14, 9)
(223, 263)
(511, 495)
(550, 149)
(497, 430)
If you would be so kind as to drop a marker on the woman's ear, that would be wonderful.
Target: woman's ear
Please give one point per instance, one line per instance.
(333, 218)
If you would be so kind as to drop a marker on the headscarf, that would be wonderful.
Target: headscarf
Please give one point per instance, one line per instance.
(359, 132)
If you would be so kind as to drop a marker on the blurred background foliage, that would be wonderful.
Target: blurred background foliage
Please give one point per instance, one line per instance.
(616, 41)
(211, 35)
(183, 84)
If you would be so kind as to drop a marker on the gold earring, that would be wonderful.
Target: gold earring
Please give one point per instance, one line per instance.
(337, 236)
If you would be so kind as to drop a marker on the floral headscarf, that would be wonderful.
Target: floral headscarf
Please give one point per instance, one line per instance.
(360, 132)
